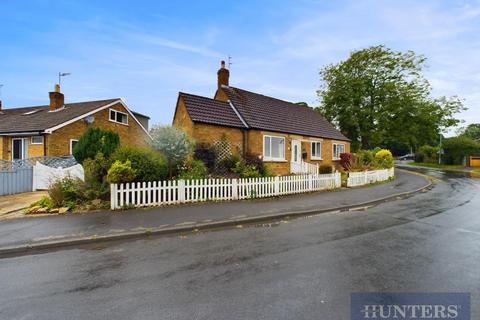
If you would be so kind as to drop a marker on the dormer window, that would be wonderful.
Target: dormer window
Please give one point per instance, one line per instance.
(118, 117)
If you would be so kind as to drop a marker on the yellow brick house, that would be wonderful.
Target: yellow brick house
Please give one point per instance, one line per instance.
(53, 130)
(288, 137)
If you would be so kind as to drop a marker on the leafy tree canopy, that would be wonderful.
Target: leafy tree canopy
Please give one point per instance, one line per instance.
(472, 131)
(379, 97)
(172, 142)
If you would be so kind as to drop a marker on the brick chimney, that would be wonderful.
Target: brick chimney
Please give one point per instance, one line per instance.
(223, 75)
(57, 99)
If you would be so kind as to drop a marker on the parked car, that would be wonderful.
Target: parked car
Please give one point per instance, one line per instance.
(409, 156)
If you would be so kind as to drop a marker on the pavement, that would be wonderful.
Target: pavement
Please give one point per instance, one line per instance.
(19, 201)
(27, 234)
(299, 269)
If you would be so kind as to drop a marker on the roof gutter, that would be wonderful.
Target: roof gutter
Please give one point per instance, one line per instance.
(29, 133)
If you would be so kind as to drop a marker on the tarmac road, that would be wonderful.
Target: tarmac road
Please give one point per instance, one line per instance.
(300, 269)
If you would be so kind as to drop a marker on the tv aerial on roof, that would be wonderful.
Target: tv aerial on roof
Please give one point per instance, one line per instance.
(62, 74)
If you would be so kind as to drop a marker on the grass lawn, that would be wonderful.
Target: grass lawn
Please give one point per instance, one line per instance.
(436, 165)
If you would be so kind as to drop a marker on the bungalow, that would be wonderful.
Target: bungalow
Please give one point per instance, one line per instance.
(288, 137)
(53, 130)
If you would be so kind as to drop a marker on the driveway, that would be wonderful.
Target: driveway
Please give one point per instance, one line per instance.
(19, 201)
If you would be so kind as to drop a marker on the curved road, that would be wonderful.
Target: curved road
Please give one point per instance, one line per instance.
(299, 269)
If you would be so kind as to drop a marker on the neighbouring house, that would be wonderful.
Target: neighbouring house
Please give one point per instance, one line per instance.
(288, 137)
(53, 130)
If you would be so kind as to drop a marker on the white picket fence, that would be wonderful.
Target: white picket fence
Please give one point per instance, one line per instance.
(186, 191)
(303, 168)
(356, 179)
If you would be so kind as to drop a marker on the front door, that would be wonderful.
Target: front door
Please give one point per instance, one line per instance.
(19, 147)
(296, 151)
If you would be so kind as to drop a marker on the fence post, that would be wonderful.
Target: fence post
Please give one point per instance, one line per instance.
(276, 185)
(338, 179)
(365, 177)
(181, 191)
(113, 196)
(234, 189)
(310, 182)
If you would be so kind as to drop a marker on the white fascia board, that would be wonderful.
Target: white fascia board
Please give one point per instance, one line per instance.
(66, 123)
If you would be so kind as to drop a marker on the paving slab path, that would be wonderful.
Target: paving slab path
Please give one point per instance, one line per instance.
(27, 231)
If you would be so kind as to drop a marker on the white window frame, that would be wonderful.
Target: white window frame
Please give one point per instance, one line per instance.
(31, 140)
(71, 148)
(312, 156)
(115, 120)
(265, 158)
(333, 150)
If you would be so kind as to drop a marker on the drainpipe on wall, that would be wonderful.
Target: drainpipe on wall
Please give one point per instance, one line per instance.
(245, 142)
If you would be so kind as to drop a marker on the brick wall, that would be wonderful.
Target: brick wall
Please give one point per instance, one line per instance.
(207, 133)
(34, 150)
(58, 142)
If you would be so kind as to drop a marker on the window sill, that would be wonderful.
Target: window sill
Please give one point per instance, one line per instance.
(274, 160)
(316, 158)
(124, 124)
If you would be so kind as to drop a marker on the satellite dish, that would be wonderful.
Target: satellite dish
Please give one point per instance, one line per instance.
(90, 119)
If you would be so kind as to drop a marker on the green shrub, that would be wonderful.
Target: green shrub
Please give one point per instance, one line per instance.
(149, 165)
(325, 169)
(246, 170)
(192, 169)
(121, 172)
(96, 169)
(230, 162)
(258, 163)
(427, 154)
(366, 158)
(383, 159)
(67, 191)
(356, 163)
(94, 141)
(206, 153)
(457, 148)
(44, 202)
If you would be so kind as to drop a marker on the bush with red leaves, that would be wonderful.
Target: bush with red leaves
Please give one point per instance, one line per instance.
(345, 160)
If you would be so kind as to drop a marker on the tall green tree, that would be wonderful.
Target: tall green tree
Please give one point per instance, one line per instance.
(472, 131)
(379, 97)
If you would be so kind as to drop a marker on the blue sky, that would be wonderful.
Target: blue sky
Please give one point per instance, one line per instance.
(147, 51)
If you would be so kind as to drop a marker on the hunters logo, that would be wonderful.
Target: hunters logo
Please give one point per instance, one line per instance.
(406, 306)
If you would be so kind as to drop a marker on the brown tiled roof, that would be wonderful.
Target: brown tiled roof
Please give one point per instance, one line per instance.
(260, 112)
(267, 113)
(16, 120)
(206, 110)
